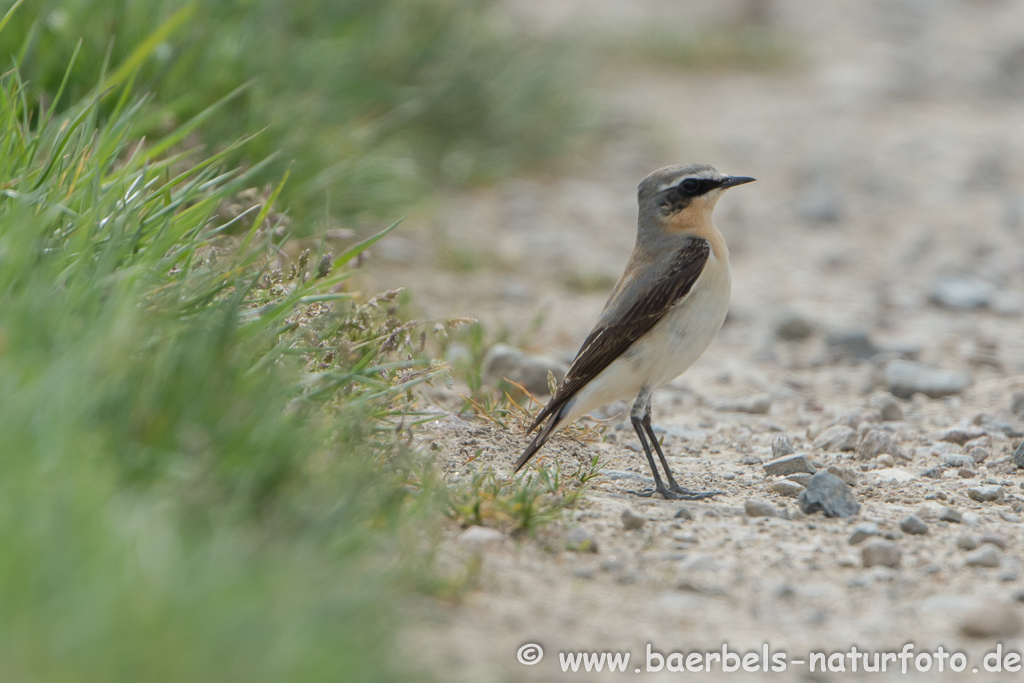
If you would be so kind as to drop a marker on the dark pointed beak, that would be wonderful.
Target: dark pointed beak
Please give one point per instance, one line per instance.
(734, 180)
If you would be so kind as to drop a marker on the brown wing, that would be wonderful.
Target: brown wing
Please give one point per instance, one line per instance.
(609, 341)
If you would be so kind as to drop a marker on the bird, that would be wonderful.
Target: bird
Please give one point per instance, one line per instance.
(661, 316)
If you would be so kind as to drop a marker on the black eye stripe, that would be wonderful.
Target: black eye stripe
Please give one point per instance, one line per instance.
(694, 187)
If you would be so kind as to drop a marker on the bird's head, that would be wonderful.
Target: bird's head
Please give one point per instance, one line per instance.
(683, 197)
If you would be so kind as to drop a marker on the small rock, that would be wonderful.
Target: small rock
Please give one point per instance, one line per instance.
(481, 537)
(755, 405)
(790, 464)
(951, 515)
(686, 537)
(631, 520)
(684, 513)
(905, 378)
(1018, 456)
(852, 344)
(985, 556)
(581, 540)
(887, 405)
(845, 473)
(991, 620)
(876, 442)
(759, 508)
(787, 487)
(830, 494)
(782, 446)
(932, 473)
(929, 510)
(503, 362)
(885, 460)
(970, 519)
(961, 293)
(912, 524)
(985, 494)
(961, 434)
(994, 539)
(966, 472)
(880, 553)
(793, 326)
(837, 438)
(967, 542)
(958, 461)
(1017, 403)
(800, 478)
(978, 454)
(862, 532)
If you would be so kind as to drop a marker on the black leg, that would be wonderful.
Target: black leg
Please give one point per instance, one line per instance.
(684, 493)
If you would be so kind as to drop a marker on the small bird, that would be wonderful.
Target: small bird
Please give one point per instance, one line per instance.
(662, 315)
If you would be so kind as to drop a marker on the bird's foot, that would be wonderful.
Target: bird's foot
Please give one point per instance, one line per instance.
(677, 493)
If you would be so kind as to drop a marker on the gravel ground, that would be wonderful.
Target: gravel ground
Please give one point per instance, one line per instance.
(880, 253)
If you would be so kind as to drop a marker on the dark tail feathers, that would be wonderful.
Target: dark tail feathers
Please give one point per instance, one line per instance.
(542, 436)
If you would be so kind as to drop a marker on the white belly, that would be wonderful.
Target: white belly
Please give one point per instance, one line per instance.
(667, 350)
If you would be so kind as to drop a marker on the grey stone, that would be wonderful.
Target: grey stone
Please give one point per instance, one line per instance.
(481, 537)
(787, 487)
(961, 434)
(876, 442)
(793, 326)
(755, 405)
(958, 461)
(994, 539)
(1017, 403)
(684, 513)
(851, 344)
(886, 460)
(887, 405)
(991, 620)
(951, 515)
(503, 362)
(845, 473)
(782, 446)
(1018, 456)
(985, 494)
(862, 532)
(904, 378)
(978, 454)
(759, 508)
(830, 494)
(800, 478)
(632, 520)
(877, 552)
(912, 524)
(967, 542)
(961, 293)
(985, 556)
(966, 472)
(932, 473)
(789, 464)
(581, 539)
(837, 438)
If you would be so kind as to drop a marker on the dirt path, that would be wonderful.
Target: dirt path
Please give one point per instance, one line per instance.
(889, 159)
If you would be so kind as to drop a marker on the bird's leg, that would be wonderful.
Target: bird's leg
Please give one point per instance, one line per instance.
(684, 493)
(635, 416)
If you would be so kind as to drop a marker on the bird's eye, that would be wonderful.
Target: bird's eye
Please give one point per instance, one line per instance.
(689, 185)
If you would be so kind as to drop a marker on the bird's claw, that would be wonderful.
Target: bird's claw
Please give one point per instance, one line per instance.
(677, 493)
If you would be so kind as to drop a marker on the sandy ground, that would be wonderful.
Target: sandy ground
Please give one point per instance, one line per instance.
(889, 158)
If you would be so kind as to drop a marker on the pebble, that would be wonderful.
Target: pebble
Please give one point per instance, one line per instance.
(793, 326)
(876, 442)
(985, 556)
(581, 539)
(837, 438)
(885, 460)
(966, 472)
(862, 532)
(994, 539)
(951, 515)
(759, 508)
(985, 494)
(481, 537)
(881, 553)
(787, 487)
(845, 473)
(961, 293)
(1018, 456)
(905, 378)
(914, 525)
(684, 513)
(991, 620)
(970, 519)
(503, 362)
(830, 494)
(932, 473)
(887, 405)
(685, 537)
(782, 446)
(800, 478)
(1017, 403)
(852, 344)
(958, 461)
(790, 464)
(978, 454)
(631, 520)
(755, 405)
(962, 434)
(967, 542)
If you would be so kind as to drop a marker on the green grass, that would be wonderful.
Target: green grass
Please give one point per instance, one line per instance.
(204, 473)
(373, 103)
